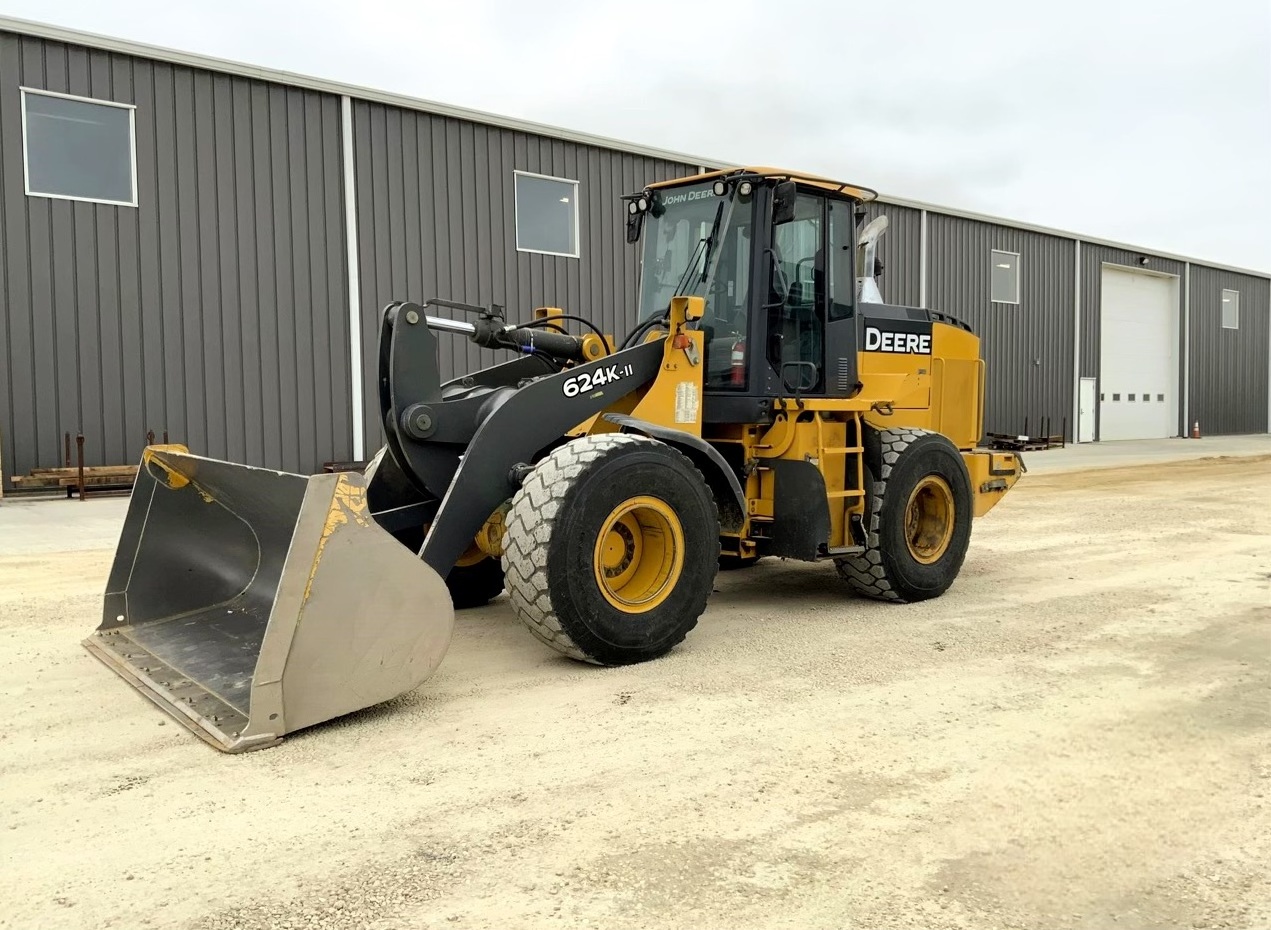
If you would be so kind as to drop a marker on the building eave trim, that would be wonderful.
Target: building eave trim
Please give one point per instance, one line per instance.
(335, 88)
(388, 98)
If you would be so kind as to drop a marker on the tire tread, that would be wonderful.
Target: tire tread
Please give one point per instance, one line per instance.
(865, 573)
(530, 524)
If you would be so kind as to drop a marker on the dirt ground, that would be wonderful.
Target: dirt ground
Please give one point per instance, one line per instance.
(1077, 735)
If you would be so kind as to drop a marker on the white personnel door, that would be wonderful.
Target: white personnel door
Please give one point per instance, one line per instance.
(1138, 363)
(1086, 411)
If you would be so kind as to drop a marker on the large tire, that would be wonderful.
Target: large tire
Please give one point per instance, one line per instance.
(475, 585)
(918, 517)
(600, 585)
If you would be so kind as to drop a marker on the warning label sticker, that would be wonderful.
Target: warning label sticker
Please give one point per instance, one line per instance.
(687, 402)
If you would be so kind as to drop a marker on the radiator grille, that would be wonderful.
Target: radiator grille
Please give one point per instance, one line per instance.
(845, 375)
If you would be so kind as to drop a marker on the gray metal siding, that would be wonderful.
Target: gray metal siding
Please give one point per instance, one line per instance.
(436, 217)
(1027, 348)
(218, 308)
(1229, 368)
(900, 250)
(215, 309)
(1093, 258)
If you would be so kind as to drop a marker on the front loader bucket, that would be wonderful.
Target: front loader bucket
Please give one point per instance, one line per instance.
(250, 603)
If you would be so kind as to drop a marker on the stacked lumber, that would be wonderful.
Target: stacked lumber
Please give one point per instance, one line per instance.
(95, 476)
(80, 477)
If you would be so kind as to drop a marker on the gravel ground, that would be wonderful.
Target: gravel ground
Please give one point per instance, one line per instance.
(1075, 736)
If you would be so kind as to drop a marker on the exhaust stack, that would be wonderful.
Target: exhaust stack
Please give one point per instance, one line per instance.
(867, 265)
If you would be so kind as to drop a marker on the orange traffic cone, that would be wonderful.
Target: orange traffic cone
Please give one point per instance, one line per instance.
(1196, 430)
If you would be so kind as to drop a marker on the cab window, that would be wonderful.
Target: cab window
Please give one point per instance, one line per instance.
(797, 296)
(842, 282)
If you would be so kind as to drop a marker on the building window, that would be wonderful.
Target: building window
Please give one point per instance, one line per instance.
(1004, 277)
(79, 149)
(1230, 309)
(546, 215)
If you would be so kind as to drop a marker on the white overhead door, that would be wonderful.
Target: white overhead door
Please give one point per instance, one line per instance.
(1138, 364)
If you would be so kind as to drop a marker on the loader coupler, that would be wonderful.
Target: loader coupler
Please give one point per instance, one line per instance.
(250, 603)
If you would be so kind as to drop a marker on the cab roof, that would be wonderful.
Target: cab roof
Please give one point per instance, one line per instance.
(855, 191)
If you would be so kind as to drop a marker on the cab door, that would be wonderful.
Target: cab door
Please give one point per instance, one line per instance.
(842, 321)
(795, 308)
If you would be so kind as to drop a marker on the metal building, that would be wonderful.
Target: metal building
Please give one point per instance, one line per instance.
(201, 247)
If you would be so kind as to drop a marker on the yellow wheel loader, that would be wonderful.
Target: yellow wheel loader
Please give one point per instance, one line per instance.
(768, 402)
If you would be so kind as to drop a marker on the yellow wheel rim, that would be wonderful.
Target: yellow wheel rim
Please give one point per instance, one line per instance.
(929, 519)
(639, 554)
(471, 556)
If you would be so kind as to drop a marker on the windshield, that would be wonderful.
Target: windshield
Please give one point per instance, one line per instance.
(678, 244)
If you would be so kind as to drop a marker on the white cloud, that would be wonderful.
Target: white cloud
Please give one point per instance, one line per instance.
(1120, 119)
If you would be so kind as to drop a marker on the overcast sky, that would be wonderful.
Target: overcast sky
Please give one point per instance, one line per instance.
(1148, 122)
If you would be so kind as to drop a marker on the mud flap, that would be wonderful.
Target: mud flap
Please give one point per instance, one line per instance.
(250, 603)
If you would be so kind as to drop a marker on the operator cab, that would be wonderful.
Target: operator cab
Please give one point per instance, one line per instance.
(775, 258)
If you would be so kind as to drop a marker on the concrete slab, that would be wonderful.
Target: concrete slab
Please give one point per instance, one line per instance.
(1089, 455)
(1071, 737)
(59, 524)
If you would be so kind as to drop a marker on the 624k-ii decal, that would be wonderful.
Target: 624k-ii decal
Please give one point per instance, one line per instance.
(587, 380)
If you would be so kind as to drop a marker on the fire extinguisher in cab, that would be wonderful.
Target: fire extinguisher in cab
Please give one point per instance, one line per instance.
(739, 362)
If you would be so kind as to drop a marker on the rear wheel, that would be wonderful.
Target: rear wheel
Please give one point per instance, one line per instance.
(475, 581)
(611, 549)
(918, 517)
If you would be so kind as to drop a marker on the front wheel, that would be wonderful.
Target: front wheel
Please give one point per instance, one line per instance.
(611, 549)
(918, 503)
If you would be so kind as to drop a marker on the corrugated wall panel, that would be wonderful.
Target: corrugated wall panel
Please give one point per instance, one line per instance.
(1093, 258)
(226, 285)
(1027, 348)
(215, 309)
(1229, 368)
(16, 380)
(900, 250)
(437, 218)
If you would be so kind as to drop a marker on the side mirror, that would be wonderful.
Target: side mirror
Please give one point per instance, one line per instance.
(783, 202)
(635, 222)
